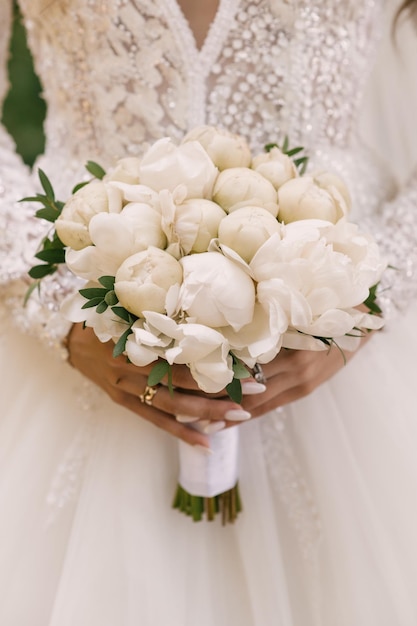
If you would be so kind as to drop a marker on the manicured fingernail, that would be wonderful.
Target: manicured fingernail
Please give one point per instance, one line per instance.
(251, 388)
(203, 449)
(237, 415)
(186, 419)
(213, 427)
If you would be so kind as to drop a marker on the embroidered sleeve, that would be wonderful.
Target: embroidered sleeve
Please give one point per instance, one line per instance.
(395, 229)
(20, 232)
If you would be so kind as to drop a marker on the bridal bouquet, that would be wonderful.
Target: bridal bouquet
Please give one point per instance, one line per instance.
(207, 255)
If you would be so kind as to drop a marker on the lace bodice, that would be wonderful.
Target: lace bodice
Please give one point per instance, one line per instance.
(130, 71)
(117, 74)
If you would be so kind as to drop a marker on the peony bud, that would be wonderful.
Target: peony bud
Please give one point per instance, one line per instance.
(241, 186)
(225, 149)
(247, 229)
(275, 166)
(72, 224)
(143, 280)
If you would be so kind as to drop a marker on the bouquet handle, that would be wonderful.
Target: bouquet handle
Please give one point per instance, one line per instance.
(208, 484)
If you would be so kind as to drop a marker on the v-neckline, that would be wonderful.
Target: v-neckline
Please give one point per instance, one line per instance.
(216, 33)
(198, 62)
(186, 19)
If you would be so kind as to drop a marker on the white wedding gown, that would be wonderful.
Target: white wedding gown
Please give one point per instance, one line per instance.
(329, 485)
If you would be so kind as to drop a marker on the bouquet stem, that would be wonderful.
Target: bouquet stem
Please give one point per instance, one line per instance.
(228, 504)
(208, 484)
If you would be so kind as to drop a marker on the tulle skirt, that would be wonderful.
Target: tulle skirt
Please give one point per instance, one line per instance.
(329, 487)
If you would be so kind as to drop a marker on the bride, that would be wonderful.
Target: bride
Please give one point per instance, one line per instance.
(328, 472)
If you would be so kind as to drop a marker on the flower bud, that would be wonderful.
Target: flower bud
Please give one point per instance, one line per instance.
(313, 197)
(72, 224)
(143, 280)
(275, 166)
(225, 149)
(247, 229)
(165, 165)
(241, 186)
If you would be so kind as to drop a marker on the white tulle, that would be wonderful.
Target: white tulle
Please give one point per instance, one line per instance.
(329, 488)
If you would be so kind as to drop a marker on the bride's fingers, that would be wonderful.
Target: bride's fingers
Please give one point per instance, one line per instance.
(186, 405)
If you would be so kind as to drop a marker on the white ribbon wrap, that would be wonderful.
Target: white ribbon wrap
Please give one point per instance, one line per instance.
(209, 475)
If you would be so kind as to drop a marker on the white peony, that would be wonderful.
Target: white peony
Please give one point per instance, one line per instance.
(145, 345)
(203, 349)
(216, 291)
(260, 340)
(166, 165)
(126, 171)
(117, 237)
(190, 225)
(144, 279)
(136, 193)
(275, 166)
(246, 230)
(96, 197)
(223, 147)
(241, 186)
(305, 279)
(323, 196)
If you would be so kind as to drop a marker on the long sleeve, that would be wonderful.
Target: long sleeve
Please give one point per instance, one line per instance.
(388, 126)
(20, 232)
(395, 229)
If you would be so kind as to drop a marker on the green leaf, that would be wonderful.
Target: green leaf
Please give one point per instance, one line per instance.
(107, 281)
(234, 389)
(158, 372)
(285, 144)
(31, 289)
(95, 169)
(38, 198)
(46, 184)
(110, 298)
(239, 370)
(93, 292)
(51, 255)
(79, 186)
(294, 151)
(119, 348)
(371, 303)
(92, 303)
(302, 161)
(47, 214)
(123, 314)
(102, 307)
(269, 146)
(39, 271)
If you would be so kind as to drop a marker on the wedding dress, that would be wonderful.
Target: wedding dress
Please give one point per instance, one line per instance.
(329, 484)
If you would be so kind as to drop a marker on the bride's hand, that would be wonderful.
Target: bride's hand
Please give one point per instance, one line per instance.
(294, 374)
(125, 382)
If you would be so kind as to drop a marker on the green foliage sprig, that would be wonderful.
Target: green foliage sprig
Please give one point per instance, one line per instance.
(234, 389)
(371, 301)
(52, 250)
(300, 162)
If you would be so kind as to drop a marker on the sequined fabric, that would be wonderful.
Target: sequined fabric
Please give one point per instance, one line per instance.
(118, 74)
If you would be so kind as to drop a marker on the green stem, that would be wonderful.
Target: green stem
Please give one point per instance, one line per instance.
(228, 504)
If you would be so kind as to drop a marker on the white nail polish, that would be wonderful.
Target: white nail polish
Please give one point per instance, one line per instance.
(237, 415)
(213, 427)
(186, 419)
(203, 449)
(251, 388)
